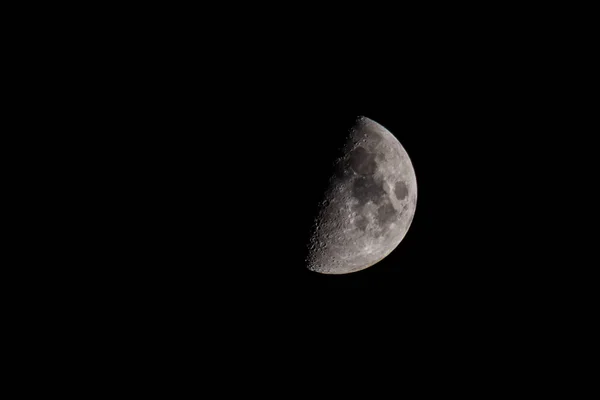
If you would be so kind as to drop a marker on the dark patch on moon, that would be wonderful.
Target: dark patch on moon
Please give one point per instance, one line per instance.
(386, 214)
(401, 190)
(362, 162)
(380, 158)
(365, 189)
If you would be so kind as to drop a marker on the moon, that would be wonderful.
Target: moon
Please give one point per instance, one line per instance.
(369, 204)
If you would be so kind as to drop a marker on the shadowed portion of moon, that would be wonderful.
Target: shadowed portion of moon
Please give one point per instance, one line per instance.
(366, 189)
(362, 162)
(369, 205)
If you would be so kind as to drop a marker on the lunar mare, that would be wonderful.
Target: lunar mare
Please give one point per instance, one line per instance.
(369, 205)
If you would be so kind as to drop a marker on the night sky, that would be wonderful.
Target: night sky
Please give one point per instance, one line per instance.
(231, 161)
(195, 148)
(242, 166)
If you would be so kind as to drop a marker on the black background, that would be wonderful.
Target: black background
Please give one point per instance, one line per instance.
(216, 145)
(243, 156)
(193, 153)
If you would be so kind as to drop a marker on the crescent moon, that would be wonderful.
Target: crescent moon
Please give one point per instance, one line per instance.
(369, 205)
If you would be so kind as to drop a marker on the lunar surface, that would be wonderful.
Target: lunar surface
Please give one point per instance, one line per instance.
(369, 205)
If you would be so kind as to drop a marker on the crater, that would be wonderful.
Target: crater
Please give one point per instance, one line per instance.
(361, 223)
(362, 162)
(401, 190)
